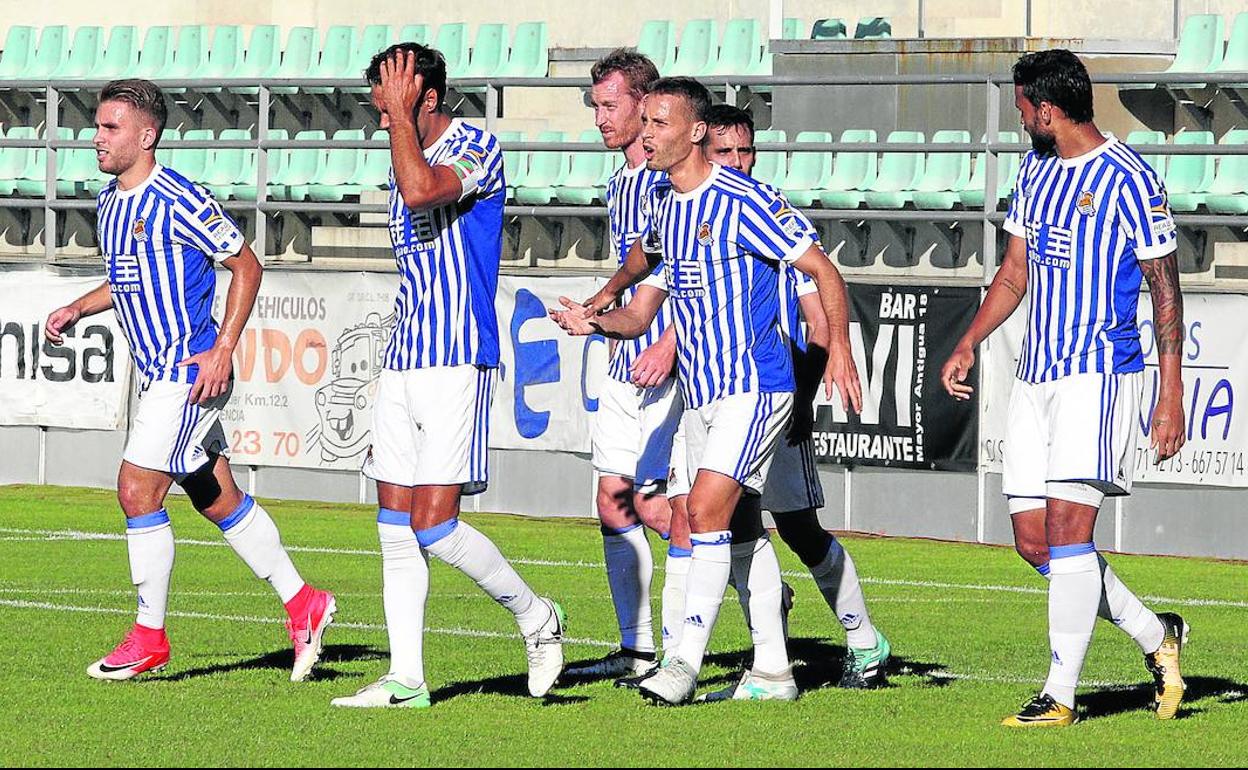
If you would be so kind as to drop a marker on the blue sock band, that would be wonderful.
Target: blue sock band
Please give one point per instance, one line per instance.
(676, 552)
(427, 537)
(665, 535)
(240, 513)
(1067, 551)
(1043, 569)
(148, 520)
(622, 530)
(724, 538)
(393, 517)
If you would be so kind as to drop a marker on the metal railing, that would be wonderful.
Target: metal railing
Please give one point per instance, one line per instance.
(989, 215)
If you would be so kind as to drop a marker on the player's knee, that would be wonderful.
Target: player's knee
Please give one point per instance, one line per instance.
(1034, 552)
(804, 536)
(202, 487)
(135, 498)
(654, 511)
(614, 504)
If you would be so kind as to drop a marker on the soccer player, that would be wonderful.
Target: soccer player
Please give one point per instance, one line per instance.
(1089, 218)
(431, 419)
(722, 237)
(161, 235)
(793, 493)
(639, 406)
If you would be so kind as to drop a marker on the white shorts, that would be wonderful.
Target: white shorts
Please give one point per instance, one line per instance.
(1081, 428)
(634, 429)
(736, 436)
(431, 427)
(172, 435)
(793, 483)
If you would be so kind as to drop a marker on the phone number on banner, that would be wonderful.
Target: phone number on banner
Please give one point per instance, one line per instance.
(1199, 465)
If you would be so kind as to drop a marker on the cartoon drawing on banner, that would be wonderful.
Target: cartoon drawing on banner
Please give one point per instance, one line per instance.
(345, 404)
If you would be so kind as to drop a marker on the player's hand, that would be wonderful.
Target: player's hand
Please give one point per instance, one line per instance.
(1167, 436)
(58, 321)
(401, 86)
(575, 319)
(953, 374)
(654, 365)
(843, 374)
(215, 367)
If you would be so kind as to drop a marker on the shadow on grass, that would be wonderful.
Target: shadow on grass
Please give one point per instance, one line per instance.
(284, 660)
(512, 685)
(1202, 691)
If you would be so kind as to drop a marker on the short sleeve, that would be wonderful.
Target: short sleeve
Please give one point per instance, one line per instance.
(1144, 215)
(772, 229)
(1014, 218)
(201, 223)
(802, 284)
(479, 170)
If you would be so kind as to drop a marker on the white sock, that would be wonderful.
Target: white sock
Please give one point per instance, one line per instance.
(1074, 594)
(837, 579)
(475, 555)
(630, 567)
(708, 579)
(404, 590)
(149, 542)
(253, 536)
(675, 581)
(756, 573)
(1124, 609)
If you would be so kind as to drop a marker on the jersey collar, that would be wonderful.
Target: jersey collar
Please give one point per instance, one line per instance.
(141, 186)
(695, 192)
(451, 131)
(1092, 154)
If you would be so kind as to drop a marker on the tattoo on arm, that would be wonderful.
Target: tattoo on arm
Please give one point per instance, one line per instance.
(1163, 284)
(1014, 288)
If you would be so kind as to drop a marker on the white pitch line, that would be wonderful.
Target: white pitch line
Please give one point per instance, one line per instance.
(77, 535)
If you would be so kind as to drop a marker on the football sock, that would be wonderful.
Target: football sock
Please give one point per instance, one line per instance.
(709, 568)
(253, 536)
(1074, 594)
(149, 543)
(675, 581)
(630, 568)
(404, 590)
(837, 579)
(756, 573)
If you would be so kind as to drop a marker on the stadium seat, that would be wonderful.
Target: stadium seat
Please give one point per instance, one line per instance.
(1236, 58)
(972, 196)
(739, 51)
(809, 172)
(413, 33)
(658, 42)
(375, 168)
(192, 162)
(79, 170)
(547, 170)
(1188, 177)
(300, 166)
(32, 182)
(302, 45)
(189, 55)
(452, 41)
(121, 54)
(873, 28)
(84, 54)
(1200, 50)
(261, 58)
(696, 51)
(828, 29)
(337, 48)
(770, 166)
(225, 166)
(13, 160)
(792, 29)
(899, 173)
(530, 55)
(18, 49)
(852, 173)
(515, 162)
(164, 155)
(585, 183)
(373, 40)
(489, 51)
(1137, 140)
(1228, 194)
(225, 56)
(342, 165)
(245, 189)
(51, 53)
(155, 53)
(946, 173)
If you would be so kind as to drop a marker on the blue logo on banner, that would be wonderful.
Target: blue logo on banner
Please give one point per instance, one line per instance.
(537, 363)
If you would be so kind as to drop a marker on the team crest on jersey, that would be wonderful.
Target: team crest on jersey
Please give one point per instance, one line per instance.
(704, 233)
(139, 231)
(1086, 204)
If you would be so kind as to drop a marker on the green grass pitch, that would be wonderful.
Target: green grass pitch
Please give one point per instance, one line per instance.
(967, 624)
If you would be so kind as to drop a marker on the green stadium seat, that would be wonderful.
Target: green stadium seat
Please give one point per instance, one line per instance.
(261, 58)
(945, 175)
(1236, 58)
(13, 160)
(515, 162)
(51, 53)
(809, 172)
(155, 54)
(300, 167)
(225, 166)
(302, 45)
(80, 168)
(164, 155)
(530, 55)
(585, 183)
(413, 33)
(189, 55)
(373, 40)
(1228, 194)
(972, 196)
(192, 162)
(852, 173)
(121, 54)
(489, 51)
(225, 57)
(792, 29)
(899, 173)
(770, 166)
(739, 51)
(245, 189)
(828, 29)
(375, 169)
(696, 51)
(337, 50)
(547, 170)
(340, 169)
(19, 47)
(1200, 50)
(873, 28)
(32, 182)
(1188, 177)
(1139, 139)
(84, 54)
(658, 42)
(452, 41)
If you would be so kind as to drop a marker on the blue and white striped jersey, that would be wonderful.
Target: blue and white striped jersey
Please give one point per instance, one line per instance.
(723, 245)
(627, 195)
(1087, 221)
(794, 284)
(159, 241)
(448, 260)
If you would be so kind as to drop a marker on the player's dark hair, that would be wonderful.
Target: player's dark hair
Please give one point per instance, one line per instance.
(728, 116)
(144, 96)
(693, 92)
(430, 65)
(1058, 77)
(636, 68)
